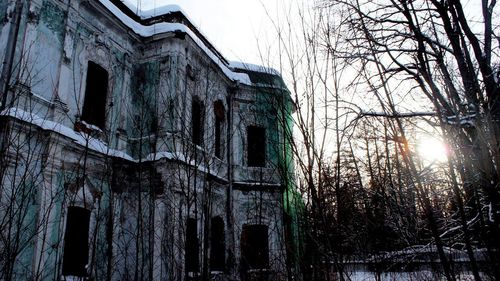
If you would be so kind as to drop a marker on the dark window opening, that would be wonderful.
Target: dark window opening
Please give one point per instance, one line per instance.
(217, 245)
(94, 104)
(191, 258)
(254, 247)
(197, 111)
(256, 139)
(76, 242)
(219, 119)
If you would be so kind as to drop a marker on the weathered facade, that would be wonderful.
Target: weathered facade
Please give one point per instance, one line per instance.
(132, 150)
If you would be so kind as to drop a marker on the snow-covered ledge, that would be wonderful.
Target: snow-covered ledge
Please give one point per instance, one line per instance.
(99, 146)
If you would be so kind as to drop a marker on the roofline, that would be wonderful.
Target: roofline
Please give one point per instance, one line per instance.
(175, 15)
(172, 19)
(171, 22)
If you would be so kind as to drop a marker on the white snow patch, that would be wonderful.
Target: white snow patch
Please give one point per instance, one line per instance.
(41, 98)
(467, 120)
(253, 67)
(78, 137)
(158, 11)
(96, 144)
(257, 183)
(90, 126)
(400, 276)
(163, 10)
(179, 156)
(164, 154)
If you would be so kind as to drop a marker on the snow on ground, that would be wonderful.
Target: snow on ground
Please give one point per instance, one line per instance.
(403, 276)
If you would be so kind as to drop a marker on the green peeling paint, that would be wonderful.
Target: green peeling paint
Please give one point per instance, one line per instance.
(27, 212)
(3, 12)
(83, 31)
(274, 108)
(144, 122)
(54, 18)
(117, 89)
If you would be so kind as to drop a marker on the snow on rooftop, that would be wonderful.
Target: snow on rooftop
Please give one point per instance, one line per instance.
(253, 67)
(146, 14)
(163, 27)
(149, 13)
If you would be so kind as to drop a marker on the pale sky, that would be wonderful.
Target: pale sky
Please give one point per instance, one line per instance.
(232, 26)
(237, 27)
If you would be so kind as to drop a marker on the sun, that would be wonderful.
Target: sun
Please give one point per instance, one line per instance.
(432, 149)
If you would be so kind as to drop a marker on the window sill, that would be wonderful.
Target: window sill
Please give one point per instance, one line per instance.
(89, 129)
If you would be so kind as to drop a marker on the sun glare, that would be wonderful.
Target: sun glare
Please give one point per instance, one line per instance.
(432, 149)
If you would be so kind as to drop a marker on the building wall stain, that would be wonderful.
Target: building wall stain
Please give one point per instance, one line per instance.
(53, 17)
(139, 173)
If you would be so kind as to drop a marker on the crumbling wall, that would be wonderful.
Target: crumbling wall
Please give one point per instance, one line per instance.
(143, 124)
(141, 195)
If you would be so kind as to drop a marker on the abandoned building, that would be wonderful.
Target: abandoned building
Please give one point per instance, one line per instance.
(131, 149)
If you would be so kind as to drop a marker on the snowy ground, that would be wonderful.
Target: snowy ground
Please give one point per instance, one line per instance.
(403, 276)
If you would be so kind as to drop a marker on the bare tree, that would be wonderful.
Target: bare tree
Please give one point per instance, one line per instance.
(403, 55)
(431, 48)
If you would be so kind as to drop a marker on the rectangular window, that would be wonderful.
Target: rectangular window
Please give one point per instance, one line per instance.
(217, 245)
(94, 104)
(191, 247)
(197, 111)
(76, 242)
(256, 140)
(254, 247)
